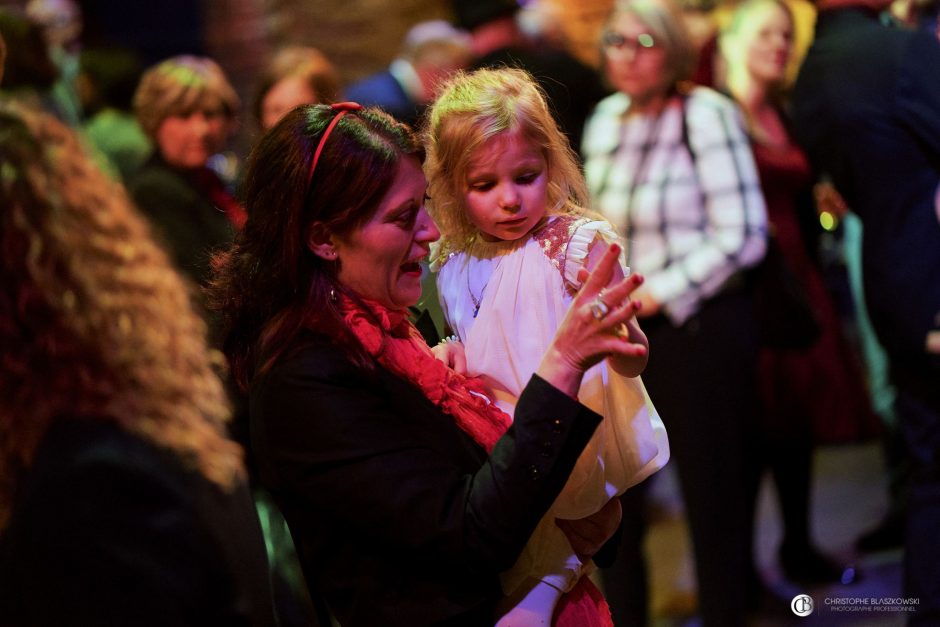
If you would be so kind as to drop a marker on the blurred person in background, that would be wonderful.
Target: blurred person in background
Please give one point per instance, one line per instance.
(107, 79)
(61, 23)
(297, 75)
(30, 73)
(866, 107)
(188, 108)
(431, 52)
(813, 392)
(122, 502)
(673, 169)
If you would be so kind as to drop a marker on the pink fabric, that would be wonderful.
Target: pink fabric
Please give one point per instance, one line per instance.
(583, 606)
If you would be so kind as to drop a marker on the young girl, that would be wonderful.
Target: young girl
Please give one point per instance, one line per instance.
(507, 196)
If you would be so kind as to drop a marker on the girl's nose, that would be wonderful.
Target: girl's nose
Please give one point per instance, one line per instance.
(509, 198)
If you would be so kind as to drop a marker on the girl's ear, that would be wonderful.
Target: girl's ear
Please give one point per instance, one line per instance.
(320, 241)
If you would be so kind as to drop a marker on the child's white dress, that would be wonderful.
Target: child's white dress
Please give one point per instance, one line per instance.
(523, 290)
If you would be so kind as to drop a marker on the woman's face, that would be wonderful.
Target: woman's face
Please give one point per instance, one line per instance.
(284, 96)
(766, 37)
(635, 61)
(380, 261)
(188, 140)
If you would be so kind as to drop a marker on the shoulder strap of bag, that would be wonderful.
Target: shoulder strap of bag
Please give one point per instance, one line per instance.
(684, 138)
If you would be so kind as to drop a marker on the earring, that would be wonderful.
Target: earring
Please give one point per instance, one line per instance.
(332, 295)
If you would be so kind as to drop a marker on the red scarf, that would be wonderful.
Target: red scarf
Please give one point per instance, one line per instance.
(219, 196)
(397, 345)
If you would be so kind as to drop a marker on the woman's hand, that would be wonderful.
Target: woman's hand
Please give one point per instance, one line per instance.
(451, 351)
(588, 535)
(590, 329)
(829, 200)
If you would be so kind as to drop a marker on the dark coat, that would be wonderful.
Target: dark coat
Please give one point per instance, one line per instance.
(866, 107)
(400, 518)
(382, 90)
(107, 530)
(185, 219)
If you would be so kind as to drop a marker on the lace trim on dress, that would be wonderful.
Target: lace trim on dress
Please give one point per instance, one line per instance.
(553, 239)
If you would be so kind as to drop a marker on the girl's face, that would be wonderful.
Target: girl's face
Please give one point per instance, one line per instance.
(634, 60)
(506, 189)
(766, 38)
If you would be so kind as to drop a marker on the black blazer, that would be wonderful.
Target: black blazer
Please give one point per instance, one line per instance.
(399, 517)
(108, 530)
(866, 107)
(185, 219)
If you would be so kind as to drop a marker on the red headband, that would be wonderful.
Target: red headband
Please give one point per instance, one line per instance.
(343, 108)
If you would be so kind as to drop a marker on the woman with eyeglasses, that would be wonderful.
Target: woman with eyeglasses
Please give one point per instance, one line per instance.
(671, 166)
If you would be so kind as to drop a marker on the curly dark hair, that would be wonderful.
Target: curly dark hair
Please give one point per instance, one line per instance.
(94, 321)
(269, 286)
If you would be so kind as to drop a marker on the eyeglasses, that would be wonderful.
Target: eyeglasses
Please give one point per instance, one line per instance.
(615, 43)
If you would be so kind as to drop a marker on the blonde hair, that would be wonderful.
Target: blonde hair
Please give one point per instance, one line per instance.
(473, 108)
(94, 322)
(664, 20)
(734, 58)
(180, 86)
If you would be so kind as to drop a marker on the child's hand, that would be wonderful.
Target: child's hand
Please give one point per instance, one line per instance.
(450, 350)
(632, 364)
(650, 306)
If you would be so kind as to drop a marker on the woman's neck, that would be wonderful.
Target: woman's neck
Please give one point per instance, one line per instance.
(760, 112)
(753, 96)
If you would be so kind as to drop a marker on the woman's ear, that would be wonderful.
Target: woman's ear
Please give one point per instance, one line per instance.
(320, 242)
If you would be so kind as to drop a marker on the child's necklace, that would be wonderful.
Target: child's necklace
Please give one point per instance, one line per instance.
(477, 301)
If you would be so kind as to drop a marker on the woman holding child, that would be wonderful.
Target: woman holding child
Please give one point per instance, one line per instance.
(404, 486)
